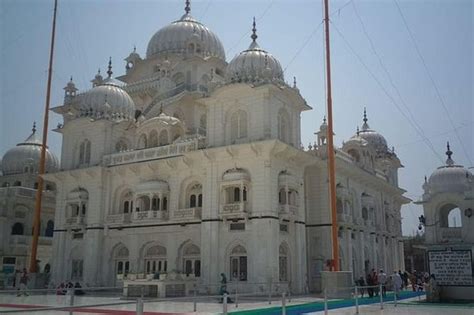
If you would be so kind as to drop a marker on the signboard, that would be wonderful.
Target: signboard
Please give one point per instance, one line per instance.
(451, 267)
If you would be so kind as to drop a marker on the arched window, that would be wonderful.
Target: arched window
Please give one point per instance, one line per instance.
(153, 139)
(143, 203)
(192, 201)
(282, 196)
(192, 260)
(155, 259)
(339, 206)
(85, 152)
(200, 200)
(238, 264)
(164, 137)
(126, 202)
(155, 203)
(142, 141)
(49, 229)
(283, 263)
(17, 229)
(122, 263)
(355, 154)
(194, 195)
(17, 183)
(365, 213)
(238, 125)
(121, 146)
(450, 216)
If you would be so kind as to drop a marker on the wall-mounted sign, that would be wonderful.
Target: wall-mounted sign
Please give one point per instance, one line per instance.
(451, 267)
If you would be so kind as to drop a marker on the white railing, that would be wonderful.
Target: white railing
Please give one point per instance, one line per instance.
(451, 233)
(118, 218)
(237, 208)
(187, 213)
(288, 209)
(150, 215)
(153, 153)
(79, 220)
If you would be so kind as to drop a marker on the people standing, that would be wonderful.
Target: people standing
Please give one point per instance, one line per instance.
(23, 283)
(383, 281)
(361, 284)
(397, 283)
(370, 289)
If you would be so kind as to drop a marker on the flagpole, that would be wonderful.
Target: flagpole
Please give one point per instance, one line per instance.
(331, 152)
(41, 171)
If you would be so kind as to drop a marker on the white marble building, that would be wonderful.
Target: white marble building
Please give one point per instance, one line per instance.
(193, 164)
(448, 206)
(18, 183)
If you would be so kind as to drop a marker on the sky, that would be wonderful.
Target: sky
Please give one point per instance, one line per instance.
(410, 63)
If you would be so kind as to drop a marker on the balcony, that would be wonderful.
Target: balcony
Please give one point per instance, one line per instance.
(23, 240)
(238, 209)
(166, 151)
(47, 196)
(186, 214)
(453, 233)
(151, 215)
(288, 209)
(76, 221)
(118, 218)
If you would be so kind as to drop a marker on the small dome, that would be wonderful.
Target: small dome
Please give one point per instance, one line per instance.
(450, 177)
(25, 157)
(254, 65)
(185, 36)
(375, 139)
(162, 119)
(107, 100)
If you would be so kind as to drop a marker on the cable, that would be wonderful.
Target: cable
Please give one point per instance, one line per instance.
(374, 50)
(412, 37)
(205, 10)
(303, 46)
(384, 90)
(338, 11)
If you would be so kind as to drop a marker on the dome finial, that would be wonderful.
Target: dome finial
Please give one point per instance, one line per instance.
(324, 119)
(365, 125)
(449, 161)
(70, 80)
(34, 127)
(294, 84)
(109, 71)
(254, 31)
(357, 131)
(365, 116)
(161, 109)
(134, 48)
(187, 8)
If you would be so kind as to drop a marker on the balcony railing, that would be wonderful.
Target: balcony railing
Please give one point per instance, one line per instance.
(118, 218)
(150, 215)
(288, 209)
(48, 196)
(452, 233)
(16, 240)
(234, 209)
(153, 153)
(187, 213)
(74, 221)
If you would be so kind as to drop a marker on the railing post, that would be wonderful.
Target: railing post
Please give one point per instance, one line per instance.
(356, 292)
(270, 293)
(224, 304)
(194, 299)
(395, 297)
(283, 304)
(381, 297)
(325, 301)
(139, 306)
(71, 299)
(236, 297)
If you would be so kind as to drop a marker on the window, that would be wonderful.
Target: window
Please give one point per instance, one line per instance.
(238, 125)
(142, 142)
(9, 260)
(450, 216)
(164, 138)
(78, 236)
(155, 259)
(85, 152)
(121, 146)
(283, 126)
(339, 206)
(238, 264)
(235, 194)
(153, 139)
(283, 263)
(49, 229)
(126, 202)
(203, 124)
(122, 263)
(17, 229)
(17, 183)
(77, 269)
(194, 193)
(365, 213)
(192, 260)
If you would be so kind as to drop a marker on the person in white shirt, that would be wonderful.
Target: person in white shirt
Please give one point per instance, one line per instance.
(397, 283)
(382, 277)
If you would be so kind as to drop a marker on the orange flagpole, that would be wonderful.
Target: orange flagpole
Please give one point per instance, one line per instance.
(41, 171)
(331, 153)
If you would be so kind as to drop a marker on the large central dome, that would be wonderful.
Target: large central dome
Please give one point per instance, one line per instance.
(185, 36)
